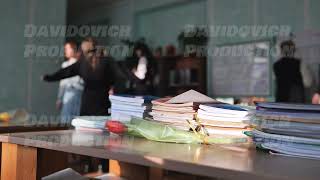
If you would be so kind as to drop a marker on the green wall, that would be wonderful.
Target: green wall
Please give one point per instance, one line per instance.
(20, 85)
(161, 26)
(160, 21)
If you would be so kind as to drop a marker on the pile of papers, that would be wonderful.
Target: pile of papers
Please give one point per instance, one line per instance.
(124, 107)
(223, 119)
(288, 129)
(90, 123)
(177, 111)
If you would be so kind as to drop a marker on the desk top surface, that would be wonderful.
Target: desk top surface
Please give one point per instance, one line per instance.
(229, 162)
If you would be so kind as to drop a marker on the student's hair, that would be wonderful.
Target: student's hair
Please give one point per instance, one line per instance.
(73, 45)
(93, 61)
(288, 48)
(91, 40)
(143, 48)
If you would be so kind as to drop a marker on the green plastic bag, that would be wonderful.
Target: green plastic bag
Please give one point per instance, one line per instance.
(164, 133)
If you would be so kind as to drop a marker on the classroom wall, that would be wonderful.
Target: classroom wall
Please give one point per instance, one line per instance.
(19, 75)
(298, 14)
(125, 12)
(148, 17)
(152, 24)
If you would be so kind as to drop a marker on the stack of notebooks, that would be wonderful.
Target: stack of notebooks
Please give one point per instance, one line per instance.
(287, 129)
(124, 107)
(179, 111)
(90, 123)
(224, 119)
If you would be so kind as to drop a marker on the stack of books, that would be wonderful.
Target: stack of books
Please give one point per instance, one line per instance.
(287, 129)
(90, 123)
(124, 107)
(224, 119)
(172, 114)
(179, 111)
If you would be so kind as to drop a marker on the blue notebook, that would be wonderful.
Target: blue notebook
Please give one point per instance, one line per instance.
(223, 106)
(289, 106)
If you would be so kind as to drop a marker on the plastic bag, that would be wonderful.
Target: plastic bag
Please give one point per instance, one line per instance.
(164, 133)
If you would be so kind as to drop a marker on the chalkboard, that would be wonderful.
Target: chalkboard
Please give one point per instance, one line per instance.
(241, 70)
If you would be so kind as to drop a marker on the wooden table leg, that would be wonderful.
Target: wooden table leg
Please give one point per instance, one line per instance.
(156, 173)
(27, 163)
(128, 171)
(50, 161)
(18, 162)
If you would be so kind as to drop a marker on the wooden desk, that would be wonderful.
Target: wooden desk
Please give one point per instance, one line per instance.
(28, 126)
(23, 155)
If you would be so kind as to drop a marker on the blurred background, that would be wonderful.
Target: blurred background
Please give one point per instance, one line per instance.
(161, 25)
